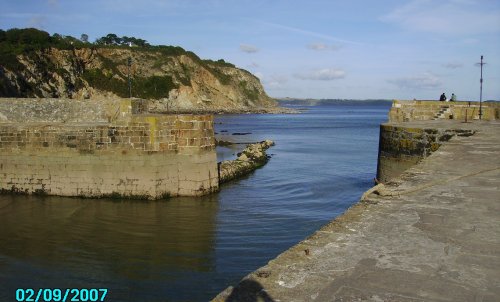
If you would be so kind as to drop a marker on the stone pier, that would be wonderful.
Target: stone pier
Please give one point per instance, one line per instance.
(104, 148)
(430, 234)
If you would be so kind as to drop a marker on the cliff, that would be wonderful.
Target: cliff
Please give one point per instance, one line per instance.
(178, 79)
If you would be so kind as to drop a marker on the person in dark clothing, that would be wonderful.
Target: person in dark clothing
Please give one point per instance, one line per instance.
(442, 98)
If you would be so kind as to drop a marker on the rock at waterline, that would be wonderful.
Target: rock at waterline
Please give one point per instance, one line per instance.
(251, 158)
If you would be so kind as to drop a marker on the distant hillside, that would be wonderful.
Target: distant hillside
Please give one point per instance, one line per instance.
(36, 64)
(317, 102)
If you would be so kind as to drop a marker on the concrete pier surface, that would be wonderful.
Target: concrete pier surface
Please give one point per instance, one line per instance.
(431, 234)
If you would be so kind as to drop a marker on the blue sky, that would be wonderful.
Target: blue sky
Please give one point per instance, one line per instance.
(401, 49)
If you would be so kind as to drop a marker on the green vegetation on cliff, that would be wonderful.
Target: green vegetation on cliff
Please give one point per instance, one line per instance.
(17, 41)
(34, 63)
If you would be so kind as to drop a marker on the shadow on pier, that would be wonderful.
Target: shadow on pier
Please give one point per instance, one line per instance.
(249, 291)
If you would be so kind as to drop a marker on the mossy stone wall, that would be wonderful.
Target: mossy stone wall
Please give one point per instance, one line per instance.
(402, 147)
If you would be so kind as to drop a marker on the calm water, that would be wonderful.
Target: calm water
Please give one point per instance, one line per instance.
(189, 249)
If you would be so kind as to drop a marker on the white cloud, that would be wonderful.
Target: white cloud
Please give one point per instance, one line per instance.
(273, 81)
(306, 32)
(453, 65)
(37, 21)
(445, 17)
(323, 46)
(424, 81)
(325, 74)
(248, 48)
(470, 41)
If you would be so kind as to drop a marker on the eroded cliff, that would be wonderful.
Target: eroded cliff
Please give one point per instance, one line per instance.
(178, 79)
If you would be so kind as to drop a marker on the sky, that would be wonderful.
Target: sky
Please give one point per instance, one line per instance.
(353, 49)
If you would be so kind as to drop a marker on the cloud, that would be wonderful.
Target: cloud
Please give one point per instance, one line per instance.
(37, 22)
(325, 74)
(323, 46)
(470, 41)
(248, 48)
(306, 32)
(274, 81)
(53, 3)
(424, 81)
(455, 17)
(453, 65)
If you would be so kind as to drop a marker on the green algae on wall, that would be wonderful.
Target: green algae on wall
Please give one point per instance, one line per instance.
(402, 147)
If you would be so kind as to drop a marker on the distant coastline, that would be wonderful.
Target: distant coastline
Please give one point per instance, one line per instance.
(315, 102)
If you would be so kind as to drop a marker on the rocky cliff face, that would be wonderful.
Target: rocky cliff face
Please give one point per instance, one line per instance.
(179, 81)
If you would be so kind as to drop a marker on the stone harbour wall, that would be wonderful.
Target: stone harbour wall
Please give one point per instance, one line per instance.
(406, 111)
(32, 110)
(135, 154)
(401, 147)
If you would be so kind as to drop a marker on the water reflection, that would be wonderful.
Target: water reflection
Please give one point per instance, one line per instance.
(63, 242)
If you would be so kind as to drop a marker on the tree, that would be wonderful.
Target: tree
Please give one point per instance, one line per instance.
(84, 38)
(115, 40)
(112, 39)
(109, 39)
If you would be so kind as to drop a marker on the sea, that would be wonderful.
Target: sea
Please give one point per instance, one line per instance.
(190, 249)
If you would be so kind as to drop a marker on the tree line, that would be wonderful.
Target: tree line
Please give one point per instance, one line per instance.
(112, 39)
(41, 39)
(16, 41)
